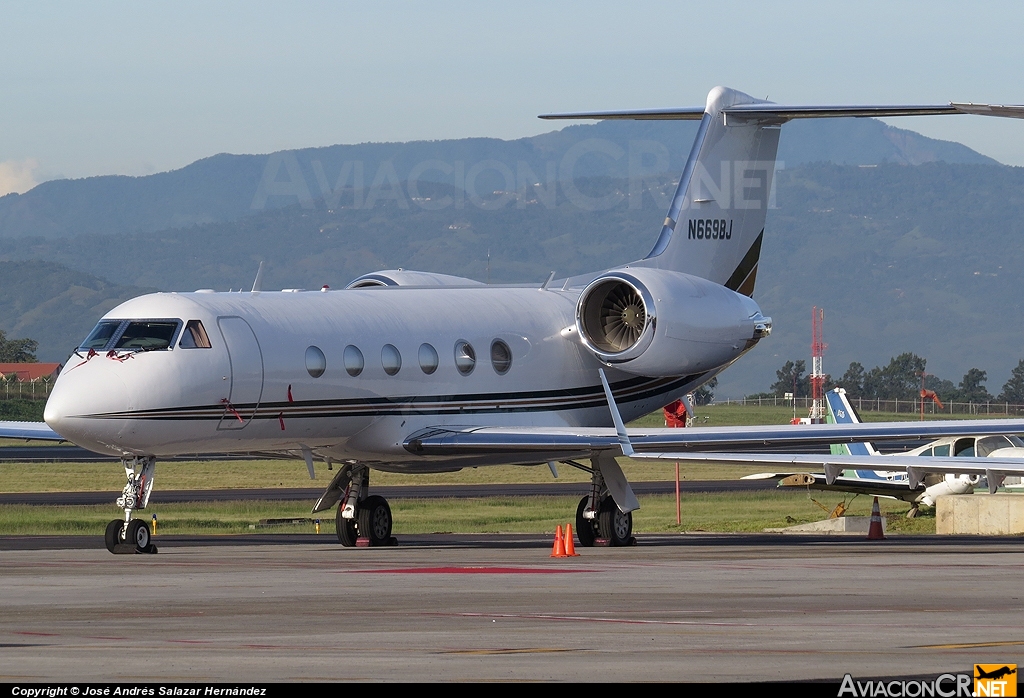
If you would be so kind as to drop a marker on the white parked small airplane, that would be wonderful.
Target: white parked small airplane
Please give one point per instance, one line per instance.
(895, 484)
(420, 372)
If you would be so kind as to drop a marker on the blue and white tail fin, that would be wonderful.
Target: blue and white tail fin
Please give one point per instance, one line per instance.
(715, 225)
(840, 411)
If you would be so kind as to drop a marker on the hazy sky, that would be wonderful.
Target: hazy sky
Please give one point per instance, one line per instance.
(134, 88)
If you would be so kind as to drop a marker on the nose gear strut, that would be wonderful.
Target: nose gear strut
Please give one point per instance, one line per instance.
(132, 536)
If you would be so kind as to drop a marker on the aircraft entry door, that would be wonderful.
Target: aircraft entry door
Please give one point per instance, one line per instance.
(246, 372)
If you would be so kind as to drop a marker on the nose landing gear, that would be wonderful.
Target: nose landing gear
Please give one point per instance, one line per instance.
(130, 536)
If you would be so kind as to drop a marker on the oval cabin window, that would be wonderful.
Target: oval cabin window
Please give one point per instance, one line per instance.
(465, 357)
(316, 362)
(428, 358)
(501, 357)
(390, 359)
(353, 360)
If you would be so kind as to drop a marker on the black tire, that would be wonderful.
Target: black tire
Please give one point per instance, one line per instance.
(615, 527)
(347, 533)
(138, 535)
(586, 529)
(112, 536)
(375, 520)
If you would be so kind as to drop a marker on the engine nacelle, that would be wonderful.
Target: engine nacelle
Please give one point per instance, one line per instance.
(654, 322)
(402, 277)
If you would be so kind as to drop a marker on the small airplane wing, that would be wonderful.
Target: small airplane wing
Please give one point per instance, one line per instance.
(855, 485)
(29, 430)
(916, 467)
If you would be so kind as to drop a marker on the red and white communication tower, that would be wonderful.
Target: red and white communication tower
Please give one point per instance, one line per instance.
(817, 376)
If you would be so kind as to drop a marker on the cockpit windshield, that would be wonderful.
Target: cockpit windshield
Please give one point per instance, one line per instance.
(147, 335)
(132, 335)
(993, 443)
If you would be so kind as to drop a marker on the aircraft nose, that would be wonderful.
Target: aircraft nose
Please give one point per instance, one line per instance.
(82, 405)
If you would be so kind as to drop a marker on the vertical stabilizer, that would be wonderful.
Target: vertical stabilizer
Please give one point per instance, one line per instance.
(715, 225)
(840, 411)
(716, 221)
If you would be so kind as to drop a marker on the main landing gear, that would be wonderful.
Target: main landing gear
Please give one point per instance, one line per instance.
(129, 536)
(598, 519)
(362, 520)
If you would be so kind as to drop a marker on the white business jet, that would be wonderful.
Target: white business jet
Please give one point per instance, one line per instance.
(419, 372)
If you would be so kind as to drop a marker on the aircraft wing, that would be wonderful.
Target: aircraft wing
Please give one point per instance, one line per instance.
(714, 444)
(680, 444)
(855, 485)
(916, 467)
(29, 430)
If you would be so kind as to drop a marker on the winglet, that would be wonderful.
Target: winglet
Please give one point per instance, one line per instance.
(620, 428)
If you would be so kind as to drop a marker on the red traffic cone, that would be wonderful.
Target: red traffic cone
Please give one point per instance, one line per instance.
(570, 547)
(559, 548)
(875, 531)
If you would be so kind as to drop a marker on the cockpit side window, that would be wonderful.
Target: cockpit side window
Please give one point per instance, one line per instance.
(194, 336)
(101, 335)
(148, 335)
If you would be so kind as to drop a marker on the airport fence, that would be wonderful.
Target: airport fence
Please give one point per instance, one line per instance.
(25, 390)
(907, 406)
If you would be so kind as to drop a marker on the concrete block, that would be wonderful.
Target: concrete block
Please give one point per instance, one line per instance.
(980, 514)
(844, 525)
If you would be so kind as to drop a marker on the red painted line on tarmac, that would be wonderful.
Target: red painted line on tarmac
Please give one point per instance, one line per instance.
(27, 632)
(468, 570)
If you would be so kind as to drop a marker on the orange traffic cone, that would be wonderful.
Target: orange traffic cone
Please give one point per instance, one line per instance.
(570, 547)
(559, 548)
(875, 531)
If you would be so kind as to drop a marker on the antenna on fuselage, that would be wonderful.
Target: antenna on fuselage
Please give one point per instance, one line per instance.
(257, 284)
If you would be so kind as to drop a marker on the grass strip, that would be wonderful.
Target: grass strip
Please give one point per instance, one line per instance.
(711, 512)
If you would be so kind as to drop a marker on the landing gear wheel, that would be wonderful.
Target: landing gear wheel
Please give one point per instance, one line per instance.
(375, 520)
(614, 526)
(112, 536)
(586, 529)
(347, 533)
(138, 535)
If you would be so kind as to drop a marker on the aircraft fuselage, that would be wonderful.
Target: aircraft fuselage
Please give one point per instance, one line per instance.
(350, 373)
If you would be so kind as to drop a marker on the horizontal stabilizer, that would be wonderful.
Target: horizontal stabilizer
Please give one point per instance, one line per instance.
(768, 111)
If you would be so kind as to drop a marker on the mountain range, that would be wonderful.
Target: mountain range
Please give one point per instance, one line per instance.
(910, 244)
(228, 187)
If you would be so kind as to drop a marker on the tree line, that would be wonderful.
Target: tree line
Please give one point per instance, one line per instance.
(17, 351)
(899, 380)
